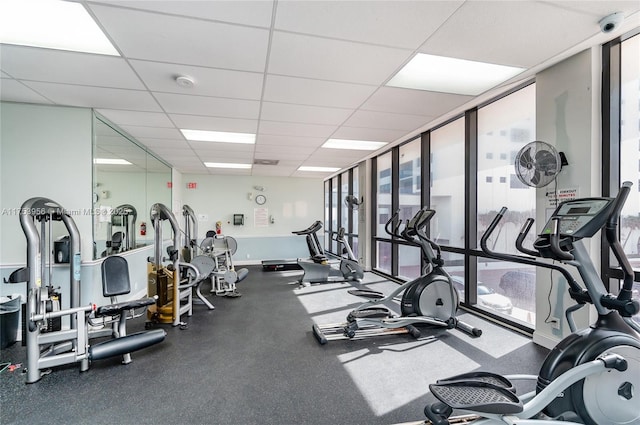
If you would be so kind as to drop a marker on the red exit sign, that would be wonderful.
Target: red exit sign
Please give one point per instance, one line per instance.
(169, 185)
(192, 185)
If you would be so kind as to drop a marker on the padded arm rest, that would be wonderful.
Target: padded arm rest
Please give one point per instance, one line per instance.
(114, 309)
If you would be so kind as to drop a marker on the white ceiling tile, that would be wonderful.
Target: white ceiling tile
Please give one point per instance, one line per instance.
(335, 156)
(595, 8)
(196, 122)
(295, 129)
(213, 148)
(164, 143)
(336, 60)
(315, 92)
(164, 38)
(515, 33)
(413, 102)
(269, 140)
(160, 77)
(153, 132)
(211, 106)
(256, 13)
(148, 119)
(59, 66)
(404, 24)
(283, 152)
(229, 172)
(279, 171)
(15, 91)
(371, 119)
(377, 134)
(97, 97)
(286, 112)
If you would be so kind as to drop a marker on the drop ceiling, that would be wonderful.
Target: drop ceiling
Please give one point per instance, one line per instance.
(295, 73)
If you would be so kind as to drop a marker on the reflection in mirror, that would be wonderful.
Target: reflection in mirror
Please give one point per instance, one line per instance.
(127, 180)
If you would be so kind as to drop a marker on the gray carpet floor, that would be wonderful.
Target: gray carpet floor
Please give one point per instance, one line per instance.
(254, 360)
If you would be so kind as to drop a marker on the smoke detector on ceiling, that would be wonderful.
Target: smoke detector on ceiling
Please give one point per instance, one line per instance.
(184, 81)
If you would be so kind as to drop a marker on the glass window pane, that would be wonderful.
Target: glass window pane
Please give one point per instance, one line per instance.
(505, 126)
(344, 192)
(383, 204)
(454, 265)
(356, 193)
(334, 212)
(383, 260)
(327, 209)
(409, 263)
(447, 184)
(630, 148)
(508, 289)
(409, 179)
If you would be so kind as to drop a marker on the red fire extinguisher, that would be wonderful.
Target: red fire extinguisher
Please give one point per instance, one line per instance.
(143, 228)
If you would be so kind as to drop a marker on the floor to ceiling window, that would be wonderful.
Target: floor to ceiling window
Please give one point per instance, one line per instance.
(383, 212)
(409, 203)
(621, 149)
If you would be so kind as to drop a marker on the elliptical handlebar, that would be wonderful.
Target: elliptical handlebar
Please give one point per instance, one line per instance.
(576, 291)
(394, 231)
(524, 231)
(611, 232)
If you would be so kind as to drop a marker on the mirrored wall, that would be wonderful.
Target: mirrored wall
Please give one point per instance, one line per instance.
(127, 180)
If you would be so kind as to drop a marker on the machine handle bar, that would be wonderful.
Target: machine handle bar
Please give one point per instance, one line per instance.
(524, 231)
(554, 241)
(576, 291)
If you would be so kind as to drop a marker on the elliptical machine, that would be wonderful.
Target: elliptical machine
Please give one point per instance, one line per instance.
(592, 376)
(318, 269)
(429, 300)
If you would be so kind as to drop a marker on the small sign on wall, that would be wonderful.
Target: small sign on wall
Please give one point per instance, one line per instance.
(169, 185)
(561, 195)
(261, 217)
(192, 185)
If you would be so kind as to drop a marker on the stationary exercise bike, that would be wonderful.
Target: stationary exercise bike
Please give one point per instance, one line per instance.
(592, 376)
(428, 300)
(318, 268)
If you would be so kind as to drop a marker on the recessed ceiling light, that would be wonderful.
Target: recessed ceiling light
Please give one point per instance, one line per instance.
(318, 169)
(52, 24)
(361, 145)
(111, 161)
(451, 75)
(218, 136)
(226, 165)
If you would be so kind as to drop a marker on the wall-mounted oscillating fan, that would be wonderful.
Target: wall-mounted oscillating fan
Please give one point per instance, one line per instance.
(352, 202)
(538, 163)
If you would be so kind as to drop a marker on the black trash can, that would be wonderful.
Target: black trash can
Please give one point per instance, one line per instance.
(9, 320)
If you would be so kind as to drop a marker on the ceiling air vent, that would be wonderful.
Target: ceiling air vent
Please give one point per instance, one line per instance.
(266, 161)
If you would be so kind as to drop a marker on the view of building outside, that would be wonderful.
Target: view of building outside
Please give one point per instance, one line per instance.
(383, 211)
(334, 214)
(504, 127)
(447, 184)
(409, 188)
(630, 147)
(355, 212)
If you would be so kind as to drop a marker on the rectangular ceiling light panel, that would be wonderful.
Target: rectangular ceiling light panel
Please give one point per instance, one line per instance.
(52, 24)
(218, 136)
(227, 165)
(451, 75)
(318, 169)
(361, 145)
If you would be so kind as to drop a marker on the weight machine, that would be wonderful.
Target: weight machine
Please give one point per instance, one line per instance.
(48, 344)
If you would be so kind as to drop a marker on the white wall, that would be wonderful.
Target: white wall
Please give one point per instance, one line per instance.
(46, 152)
(293, 203)
(567, 116)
